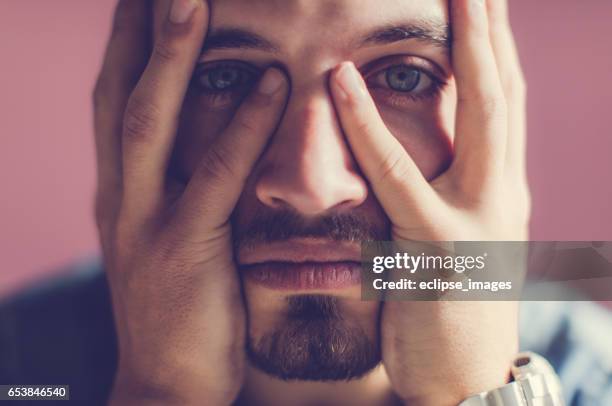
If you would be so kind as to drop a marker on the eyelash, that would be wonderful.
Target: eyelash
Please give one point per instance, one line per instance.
(399, 100)
(223, 97)
(392, 97)
(396, 98)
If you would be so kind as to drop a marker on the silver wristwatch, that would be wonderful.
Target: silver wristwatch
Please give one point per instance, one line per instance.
(534, 383)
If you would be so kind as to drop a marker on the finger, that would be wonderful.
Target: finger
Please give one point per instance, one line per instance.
(513, 83)
(395, 178)
(480, 136)
(215, 188)
(161, 8)
(124, 61)
(152, 114)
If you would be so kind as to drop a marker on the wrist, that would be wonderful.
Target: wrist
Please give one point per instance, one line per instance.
(451, 392)
(532, 380)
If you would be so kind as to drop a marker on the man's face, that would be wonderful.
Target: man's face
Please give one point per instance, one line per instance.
(306, 206)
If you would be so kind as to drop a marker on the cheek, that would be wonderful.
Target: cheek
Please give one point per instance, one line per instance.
(425, 133)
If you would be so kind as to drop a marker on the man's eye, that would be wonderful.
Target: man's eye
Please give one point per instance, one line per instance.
(402, 78)
(224, 78)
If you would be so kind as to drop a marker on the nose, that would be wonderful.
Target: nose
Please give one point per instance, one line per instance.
(308, 167)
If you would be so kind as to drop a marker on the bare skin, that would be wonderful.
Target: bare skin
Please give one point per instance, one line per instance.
(168, 248)
(146, 233)
(467, 202)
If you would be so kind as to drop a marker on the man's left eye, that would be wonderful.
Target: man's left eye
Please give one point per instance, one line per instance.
(402, 78)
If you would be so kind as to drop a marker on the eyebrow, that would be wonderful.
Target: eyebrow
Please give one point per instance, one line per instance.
(236, 38)
(431, 32)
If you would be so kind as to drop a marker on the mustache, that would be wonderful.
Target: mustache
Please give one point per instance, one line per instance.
(269, 226)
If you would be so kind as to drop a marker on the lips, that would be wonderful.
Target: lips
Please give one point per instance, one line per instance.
(305, 264)
(304, 275)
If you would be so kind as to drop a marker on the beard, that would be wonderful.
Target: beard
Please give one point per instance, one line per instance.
(314, 344)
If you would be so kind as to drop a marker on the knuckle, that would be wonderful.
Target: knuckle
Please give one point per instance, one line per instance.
(257, 112)
(248, 123)
(513, 81)
(218, 164)
(102, 208)
(516, 89)
(125, 14)
(393, 168)
(522, 87)
(258, 100)
(122, 20)
(164, 51)
(524, 198)
(528, 205)
(106, 235)
(491, 106)
(140, 119)
(100, 95)
(496, 109)
(106, 202)
(363, 126)
(127, 236)
(178, 248)
(102, 216)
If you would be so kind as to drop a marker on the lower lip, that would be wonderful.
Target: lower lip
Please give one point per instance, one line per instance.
(304, 275)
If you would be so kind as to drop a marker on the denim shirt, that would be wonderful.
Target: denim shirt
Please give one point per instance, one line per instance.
(61, 332)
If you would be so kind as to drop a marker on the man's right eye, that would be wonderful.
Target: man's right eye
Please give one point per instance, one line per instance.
(229, 76)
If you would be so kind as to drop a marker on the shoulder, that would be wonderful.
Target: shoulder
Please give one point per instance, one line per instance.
(61, 332)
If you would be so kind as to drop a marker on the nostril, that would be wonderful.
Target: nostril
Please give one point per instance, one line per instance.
(313, 187)
(271, 198)
(277, 203)
(349, 204)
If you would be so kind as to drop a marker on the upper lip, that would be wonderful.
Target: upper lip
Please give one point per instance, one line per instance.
(301, 250)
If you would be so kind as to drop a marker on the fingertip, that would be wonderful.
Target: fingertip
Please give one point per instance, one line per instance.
(469, 15)
(184, 17)
(273, 82)
(347, 82)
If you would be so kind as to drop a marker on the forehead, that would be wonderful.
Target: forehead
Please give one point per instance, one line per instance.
(296, 23)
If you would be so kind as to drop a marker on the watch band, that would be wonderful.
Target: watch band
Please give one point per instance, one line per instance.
(535, 383)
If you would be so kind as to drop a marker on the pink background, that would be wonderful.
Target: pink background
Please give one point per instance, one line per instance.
(51, 51)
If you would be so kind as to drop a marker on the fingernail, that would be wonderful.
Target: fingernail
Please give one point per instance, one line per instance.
(182, 10)
(271, 82)
(477, 6)
(350, 80)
